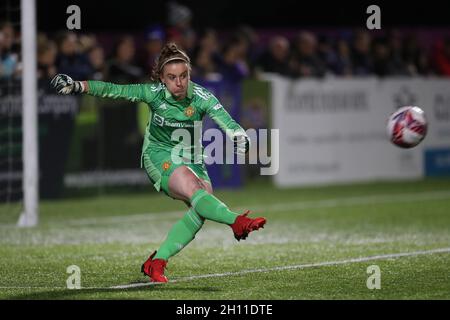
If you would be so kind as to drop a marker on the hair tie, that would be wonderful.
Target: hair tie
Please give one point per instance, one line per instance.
(172, 59)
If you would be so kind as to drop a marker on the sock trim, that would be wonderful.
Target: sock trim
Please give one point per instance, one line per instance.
(197, 196)
(193, 219)
(195, 216)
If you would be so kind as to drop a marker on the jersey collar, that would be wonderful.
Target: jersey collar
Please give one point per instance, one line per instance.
(190, 92)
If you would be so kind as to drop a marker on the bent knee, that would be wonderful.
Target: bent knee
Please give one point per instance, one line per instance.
(207, 186)
(184, 183)
(194, 185)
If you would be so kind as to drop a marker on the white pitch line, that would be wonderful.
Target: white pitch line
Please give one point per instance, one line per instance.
(30, 288)
(293, 267)
(243, 272)
(277, 207)
(119, 219)
(362, 200)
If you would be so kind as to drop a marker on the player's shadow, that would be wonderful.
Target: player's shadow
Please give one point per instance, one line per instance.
(100, 293)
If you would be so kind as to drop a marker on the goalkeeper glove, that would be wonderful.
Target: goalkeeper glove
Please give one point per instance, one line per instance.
(241, 143)
(65, 84)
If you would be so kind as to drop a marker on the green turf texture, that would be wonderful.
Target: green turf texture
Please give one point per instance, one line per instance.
(109, 237)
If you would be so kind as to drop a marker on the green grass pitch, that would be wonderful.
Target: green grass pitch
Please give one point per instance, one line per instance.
(318, 244)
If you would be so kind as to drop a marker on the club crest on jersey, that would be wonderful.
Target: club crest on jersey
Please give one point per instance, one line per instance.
(189, 112)
(166, 165)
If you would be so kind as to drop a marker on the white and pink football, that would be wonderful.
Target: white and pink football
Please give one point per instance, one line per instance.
(407, 126)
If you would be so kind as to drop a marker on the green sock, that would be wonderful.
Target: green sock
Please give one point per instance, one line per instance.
(180, 235)
(211, 208)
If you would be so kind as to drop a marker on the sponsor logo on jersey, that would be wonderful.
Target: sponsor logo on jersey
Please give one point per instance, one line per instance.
(158, 120)
(167, 123)
(161, 121)
(217, 106)
(189, 111)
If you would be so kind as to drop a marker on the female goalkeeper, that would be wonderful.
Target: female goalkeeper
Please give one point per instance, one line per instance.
(175, 102)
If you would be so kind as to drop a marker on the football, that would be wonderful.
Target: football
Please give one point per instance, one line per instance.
(407, 126)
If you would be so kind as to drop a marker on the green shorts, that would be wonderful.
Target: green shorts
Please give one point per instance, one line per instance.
(159, 165)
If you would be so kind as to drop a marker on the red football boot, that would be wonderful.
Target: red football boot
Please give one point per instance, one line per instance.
(244, 225)
(154, 268)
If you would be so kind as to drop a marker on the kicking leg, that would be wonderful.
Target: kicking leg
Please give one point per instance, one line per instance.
(186, 186)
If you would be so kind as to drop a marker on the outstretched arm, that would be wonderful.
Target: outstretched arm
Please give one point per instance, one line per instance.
(133, 92)
(223, 119)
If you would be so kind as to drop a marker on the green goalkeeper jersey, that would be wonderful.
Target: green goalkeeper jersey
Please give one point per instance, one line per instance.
(168, 114)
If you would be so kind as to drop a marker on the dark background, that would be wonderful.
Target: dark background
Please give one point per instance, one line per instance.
(109, 19)
(103, 15)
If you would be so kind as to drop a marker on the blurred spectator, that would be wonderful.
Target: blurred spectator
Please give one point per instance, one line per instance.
(361, 55)
(188, 40)
(382, 62)
(253, 44)
(96, 56)
(343, 64)
(349, 54)
(179, 16)
(180, 30)
(441, 57)
(395, 44)
(69, 60)
(415, 57)
(232, 64)
(275, 58)
(46, 58)
(87, 42)
(9, 54)
(304, 61)
(326, 53)
(204, 57)
(9, 39)
(121, 68)
(154, 38)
